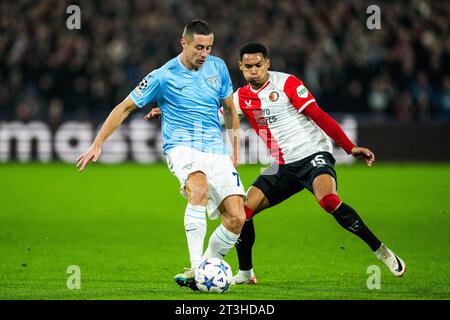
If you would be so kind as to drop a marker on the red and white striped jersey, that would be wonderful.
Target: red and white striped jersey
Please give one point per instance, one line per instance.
(275, 113)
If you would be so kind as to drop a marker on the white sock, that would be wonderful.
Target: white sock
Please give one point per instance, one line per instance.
(220, 242)
(195, 228)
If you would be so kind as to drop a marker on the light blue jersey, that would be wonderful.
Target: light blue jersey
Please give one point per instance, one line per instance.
(189, 101)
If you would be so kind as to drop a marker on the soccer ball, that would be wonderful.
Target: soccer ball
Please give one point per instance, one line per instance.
(213, 275)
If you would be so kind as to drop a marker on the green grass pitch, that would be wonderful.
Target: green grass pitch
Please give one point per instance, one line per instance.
(123, 226)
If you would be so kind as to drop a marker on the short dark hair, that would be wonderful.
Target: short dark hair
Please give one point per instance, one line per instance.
(254, 47)
(197, 27)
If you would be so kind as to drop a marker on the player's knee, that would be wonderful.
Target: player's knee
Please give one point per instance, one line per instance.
(330, 202)
(198, 195)
(234, 221)
(238, 219)
(241, 219)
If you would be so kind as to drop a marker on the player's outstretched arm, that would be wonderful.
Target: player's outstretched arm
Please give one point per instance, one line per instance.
(334, 131)
(231, 120)
(114, 120)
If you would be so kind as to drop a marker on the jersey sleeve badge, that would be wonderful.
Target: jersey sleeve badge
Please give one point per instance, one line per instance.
(302, 92)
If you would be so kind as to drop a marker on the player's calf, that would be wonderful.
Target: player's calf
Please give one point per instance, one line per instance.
(227, 233)
(233, 214)
(349, 219)
(330, 202)
(244, 245)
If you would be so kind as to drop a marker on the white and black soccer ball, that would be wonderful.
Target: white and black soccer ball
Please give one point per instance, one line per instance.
(213, 275)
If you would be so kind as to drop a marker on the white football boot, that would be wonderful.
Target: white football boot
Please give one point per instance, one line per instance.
(244, 277)
(396, 265)
(186, 279)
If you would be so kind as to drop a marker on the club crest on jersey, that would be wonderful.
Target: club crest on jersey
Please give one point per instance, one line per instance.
(273, 96)
(213, 81)
(301, 91)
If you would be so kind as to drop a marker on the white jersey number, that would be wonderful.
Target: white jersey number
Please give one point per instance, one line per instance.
(318, 161)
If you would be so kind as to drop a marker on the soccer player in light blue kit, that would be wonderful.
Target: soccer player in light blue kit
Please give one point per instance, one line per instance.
(189, 90)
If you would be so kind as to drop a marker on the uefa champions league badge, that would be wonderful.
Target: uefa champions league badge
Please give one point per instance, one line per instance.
(143, 85)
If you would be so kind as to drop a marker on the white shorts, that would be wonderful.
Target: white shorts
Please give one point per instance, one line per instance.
(223, 179)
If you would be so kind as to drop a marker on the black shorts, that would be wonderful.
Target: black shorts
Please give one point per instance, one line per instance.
(279, 182)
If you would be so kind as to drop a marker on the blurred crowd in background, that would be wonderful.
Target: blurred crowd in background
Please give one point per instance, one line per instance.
(397, 73)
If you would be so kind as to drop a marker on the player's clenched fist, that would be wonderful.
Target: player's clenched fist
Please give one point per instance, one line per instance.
(364, 154)
(155, 113)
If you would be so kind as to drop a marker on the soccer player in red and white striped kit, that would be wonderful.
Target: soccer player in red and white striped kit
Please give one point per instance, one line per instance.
(297, 132)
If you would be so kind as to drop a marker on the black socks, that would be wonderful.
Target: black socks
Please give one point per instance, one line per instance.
(350, 220)
(244, 245)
